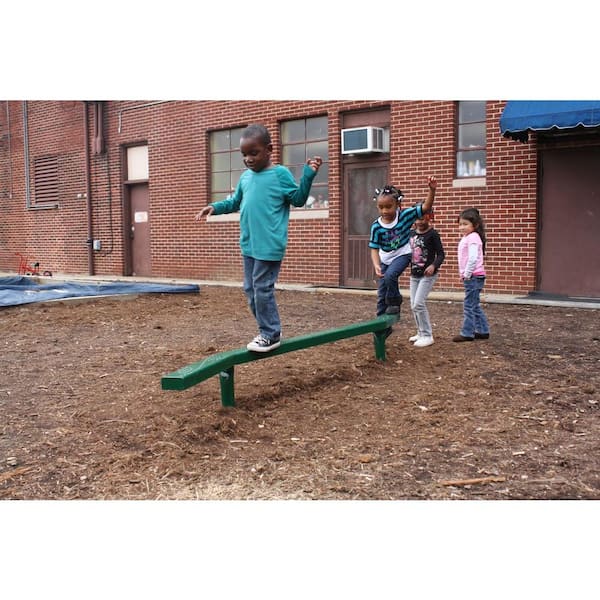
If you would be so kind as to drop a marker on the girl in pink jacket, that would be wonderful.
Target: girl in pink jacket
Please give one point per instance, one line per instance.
(471, 252)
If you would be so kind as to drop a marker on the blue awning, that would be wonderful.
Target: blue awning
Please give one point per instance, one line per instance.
(521, 116)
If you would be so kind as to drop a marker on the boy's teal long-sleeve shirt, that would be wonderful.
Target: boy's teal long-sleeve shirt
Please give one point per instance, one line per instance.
(263, 200)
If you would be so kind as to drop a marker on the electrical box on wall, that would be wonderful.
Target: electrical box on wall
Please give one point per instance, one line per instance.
(360, 140)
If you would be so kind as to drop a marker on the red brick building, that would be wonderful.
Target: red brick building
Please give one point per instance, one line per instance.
(111, 188)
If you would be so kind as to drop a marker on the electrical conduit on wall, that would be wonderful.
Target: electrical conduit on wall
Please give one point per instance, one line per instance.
(88, 191)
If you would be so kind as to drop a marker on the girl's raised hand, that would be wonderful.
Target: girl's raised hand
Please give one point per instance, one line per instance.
(432, 182)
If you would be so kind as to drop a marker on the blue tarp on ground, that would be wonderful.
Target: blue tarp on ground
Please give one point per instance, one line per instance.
(23, 290)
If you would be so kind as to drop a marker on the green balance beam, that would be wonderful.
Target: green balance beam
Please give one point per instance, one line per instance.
(223, 363)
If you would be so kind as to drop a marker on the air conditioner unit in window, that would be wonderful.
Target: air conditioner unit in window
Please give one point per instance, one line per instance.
(360, 140)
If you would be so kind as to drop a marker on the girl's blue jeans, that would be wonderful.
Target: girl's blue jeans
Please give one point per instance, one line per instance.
(259, 286)
(419, 290)
(388, 292)
(474, 320)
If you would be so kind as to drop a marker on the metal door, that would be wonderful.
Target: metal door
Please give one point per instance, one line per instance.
(569, 222)
(140, 229)
(360, 181)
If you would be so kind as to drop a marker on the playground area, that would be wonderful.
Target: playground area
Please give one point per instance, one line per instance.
(84, 415)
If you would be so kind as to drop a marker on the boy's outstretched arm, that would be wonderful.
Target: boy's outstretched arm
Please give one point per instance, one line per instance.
(297, 193)
(427, 205)
(207, 210)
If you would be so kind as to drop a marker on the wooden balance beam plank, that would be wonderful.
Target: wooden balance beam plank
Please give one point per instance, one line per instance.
(223, 363)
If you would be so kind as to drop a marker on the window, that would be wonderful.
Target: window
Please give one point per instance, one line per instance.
(137, 163)
(471, 127)
(302, 139)
(226, 164)
(45, 170)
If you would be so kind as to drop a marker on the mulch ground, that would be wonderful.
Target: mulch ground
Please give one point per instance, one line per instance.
(84, 415)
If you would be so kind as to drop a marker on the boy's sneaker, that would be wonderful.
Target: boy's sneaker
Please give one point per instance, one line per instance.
(392, 309)
(482, 336)
(414, 338)
(263, 344)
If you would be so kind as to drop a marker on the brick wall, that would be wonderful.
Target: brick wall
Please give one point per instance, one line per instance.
(54, 236)
(422, 143)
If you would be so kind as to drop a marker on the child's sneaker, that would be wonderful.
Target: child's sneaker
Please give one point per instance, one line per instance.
(263, 344)
(414, 338)
(424, 341)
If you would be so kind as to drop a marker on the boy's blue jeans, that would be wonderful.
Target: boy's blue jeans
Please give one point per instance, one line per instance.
(388, 292)
(259, 286)
(474, 320)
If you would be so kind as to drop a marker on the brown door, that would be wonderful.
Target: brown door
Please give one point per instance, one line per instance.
(140, 229)
(569, 222)
(360, 181)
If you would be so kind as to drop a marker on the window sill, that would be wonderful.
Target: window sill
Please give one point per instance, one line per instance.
(468, 182)
(310, 213)
(314, 213)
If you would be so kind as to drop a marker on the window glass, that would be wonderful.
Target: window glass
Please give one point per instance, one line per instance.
(137, 163)
(225, 161)
(302, 139)
(220, 162)
(316, 129)
(219, 141)
(293, 131)
(318, 149)
(471, 163)
(469, 112)
(322, 175)
(471, 139)
(221, 182)
(235, 137)
(293, 155)
(318, 198)
(470, 136)
(237, 162)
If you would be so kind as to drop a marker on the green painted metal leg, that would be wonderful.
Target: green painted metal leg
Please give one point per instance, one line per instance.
(227, 381)
(379, 340)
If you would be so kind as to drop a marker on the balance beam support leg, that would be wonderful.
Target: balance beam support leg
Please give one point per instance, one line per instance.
(227, 387)
(379, 338)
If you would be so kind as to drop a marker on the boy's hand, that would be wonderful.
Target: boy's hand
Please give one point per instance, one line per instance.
(432, 182)
(207, 210)
(315, 163)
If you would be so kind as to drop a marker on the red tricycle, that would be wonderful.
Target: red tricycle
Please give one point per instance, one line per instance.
(26, 269)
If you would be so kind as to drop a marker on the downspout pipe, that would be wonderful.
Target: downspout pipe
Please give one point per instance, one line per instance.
(88, 191)
(10, 179)
(26, 156)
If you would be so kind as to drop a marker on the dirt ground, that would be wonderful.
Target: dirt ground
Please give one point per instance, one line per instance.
(84, 415)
